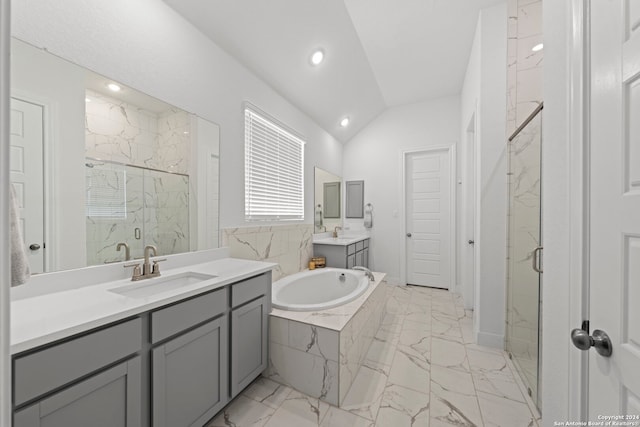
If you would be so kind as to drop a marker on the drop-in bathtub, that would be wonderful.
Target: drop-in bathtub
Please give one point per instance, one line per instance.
(320, 289)
(319, 351)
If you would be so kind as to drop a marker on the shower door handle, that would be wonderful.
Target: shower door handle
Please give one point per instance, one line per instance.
(535, 260)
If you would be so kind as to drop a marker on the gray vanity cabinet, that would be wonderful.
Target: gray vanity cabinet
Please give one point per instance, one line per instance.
(189, 371)
(344, 256)
(190, 376)
(251, 304)
(93, 379)
(108, 399)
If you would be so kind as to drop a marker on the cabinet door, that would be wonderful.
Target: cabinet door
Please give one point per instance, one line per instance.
(359, 260)
(248, 343)
(190, 376)
(109, 399)
(365, 257)
(351, 261)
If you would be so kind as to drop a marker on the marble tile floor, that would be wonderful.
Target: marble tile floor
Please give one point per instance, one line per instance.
(422, 369)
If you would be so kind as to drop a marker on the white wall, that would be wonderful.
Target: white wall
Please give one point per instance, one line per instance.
(146, 45)
(485, 91)
(374, 155)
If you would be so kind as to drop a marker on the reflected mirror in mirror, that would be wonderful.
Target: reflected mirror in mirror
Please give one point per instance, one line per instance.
(327, 196)
(101, 170)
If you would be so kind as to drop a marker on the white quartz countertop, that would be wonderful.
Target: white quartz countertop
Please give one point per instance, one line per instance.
(47, 317)
(339, 241)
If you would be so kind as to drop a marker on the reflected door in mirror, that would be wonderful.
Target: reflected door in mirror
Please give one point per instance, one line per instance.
(27, 176)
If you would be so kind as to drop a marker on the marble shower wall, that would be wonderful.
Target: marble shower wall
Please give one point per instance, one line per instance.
(290, 246)
(154, 202)
(125, 133)
(525, 67)
(523, 293)
(123, 199)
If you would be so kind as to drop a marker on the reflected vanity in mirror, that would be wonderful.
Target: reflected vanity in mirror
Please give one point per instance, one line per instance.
(101, 170)
(327, 196)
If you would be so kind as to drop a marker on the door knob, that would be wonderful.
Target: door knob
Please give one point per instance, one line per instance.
(600, 340)
(34, 246)
(408, 234)
(472, 242)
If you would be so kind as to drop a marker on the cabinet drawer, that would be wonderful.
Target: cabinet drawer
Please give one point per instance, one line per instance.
(359, 246)
(53, 367)
(249, 289)
(176, 318)
(351, 249)
(366, 243)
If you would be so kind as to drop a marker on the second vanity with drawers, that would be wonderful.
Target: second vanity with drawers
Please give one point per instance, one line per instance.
(343, 252)
(172, 358)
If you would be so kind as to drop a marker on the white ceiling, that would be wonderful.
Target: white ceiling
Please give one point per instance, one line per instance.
(379, 53)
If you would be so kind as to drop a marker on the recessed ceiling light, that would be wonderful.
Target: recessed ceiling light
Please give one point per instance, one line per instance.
(537, 47)
(344, 122)
(114, 87)
(317, 57)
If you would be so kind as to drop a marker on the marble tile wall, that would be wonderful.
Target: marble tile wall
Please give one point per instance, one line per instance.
(524, 236)
(290, 246)
(524, 67)
(125, 133)
(319, 361)
(155, 203)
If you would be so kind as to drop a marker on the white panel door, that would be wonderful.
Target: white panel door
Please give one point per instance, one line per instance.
(428, 219)
(26, 176)
(614, 382)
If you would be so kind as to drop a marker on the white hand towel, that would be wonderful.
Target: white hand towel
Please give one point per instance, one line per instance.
(368, 216)
(19, 260)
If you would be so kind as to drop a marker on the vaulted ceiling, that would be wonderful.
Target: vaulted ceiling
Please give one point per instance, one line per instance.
(378, 53)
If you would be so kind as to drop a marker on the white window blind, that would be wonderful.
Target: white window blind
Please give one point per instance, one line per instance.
(274, 165)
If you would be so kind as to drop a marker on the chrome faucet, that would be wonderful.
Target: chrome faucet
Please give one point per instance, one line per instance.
(147, 271)
(127, 252)
(335, 231)
(367, 272)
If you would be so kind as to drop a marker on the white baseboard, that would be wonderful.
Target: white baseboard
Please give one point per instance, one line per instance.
(393, 281)
(490, 340)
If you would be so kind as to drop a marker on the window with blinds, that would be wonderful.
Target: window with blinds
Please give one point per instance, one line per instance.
(274, 171)
(106, 193)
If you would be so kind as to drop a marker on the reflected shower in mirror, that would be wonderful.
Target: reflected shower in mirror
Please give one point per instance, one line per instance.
(100, 166)
(327, 206)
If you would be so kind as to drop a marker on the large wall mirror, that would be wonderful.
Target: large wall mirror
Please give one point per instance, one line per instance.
(327, 196)
(102, 170)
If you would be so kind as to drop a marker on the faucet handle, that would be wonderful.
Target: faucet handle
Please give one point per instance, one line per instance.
(156, 267)
(137, 270)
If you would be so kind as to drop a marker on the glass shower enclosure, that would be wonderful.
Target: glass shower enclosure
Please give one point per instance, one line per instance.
(524, 268)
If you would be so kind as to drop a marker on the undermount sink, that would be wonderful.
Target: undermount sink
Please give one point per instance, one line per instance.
(149, 287)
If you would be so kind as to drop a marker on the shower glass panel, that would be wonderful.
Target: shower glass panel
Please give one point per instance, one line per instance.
(136, 206)
(524, 236)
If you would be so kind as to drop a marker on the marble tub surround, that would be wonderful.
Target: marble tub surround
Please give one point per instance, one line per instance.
(466, 384)
(54, 306)
(290, 246)
(319, 353)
